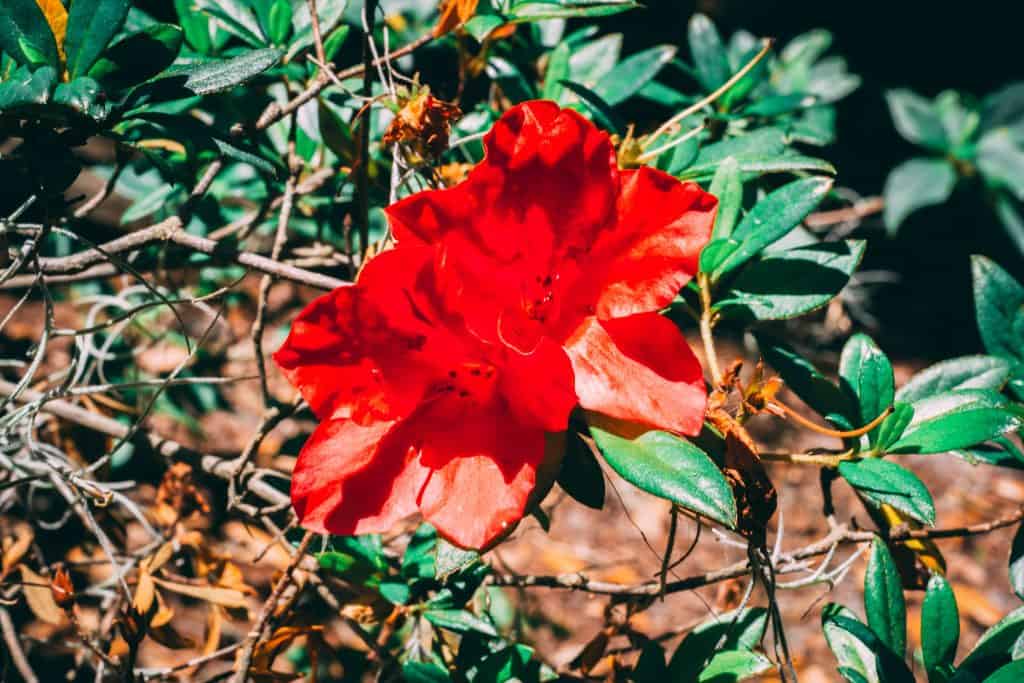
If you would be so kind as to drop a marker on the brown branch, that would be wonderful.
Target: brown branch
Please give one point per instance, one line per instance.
(861, 209)
(787, 564)
(14, 647)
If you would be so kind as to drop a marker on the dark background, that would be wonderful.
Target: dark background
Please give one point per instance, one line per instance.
(927, 47)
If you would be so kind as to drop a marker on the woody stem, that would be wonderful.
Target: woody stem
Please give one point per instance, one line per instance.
(820, 459)
(706, 325)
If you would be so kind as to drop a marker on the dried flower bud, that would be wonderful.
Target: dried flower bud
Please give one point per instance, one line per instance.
(63, 589)
(424, 123)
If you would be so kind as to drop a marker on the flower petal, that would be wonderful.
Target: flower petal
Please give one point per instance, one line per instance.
(539, 388)
(354, 479)
(639, 368)
(662, 226)
(483, 473)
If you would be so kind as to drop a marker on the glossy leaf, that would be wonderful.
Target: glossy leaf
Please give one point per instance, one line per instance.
(940, 629)
(460, 621)
(788, 284)
(884, 605)
(807, 382)
(999, 307)
(883, 482)
(761, 151)
(581, 476)
(957, 419)
(857, 662)
(728, 666)
(138, 57)
(1001, 161)
(867, 375)
(709, 55)
(893, 427)
(25, 34)
(771, 218)
(915, 184)
(92, 24)
(536, 10)
(741, 629)
(632, 73)
(992, 650)
(216, 76)
(966, 372)
(671, 468)
(727, 187)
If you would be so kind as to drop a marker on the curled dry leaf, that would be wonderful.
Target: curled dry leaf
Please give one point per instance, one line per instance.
(454, 13)
(39, 598)
(145, 593)
(14, 546)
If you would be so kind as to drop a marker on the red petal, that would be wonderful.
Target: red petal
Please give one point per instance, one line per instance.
(539, 387)
(640, 369)
(483, 474)
(663, 224)
(351, 479)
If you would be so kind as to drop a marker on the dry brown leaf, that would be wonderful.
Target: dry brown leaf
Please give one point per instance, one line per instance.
(160, 558)
(40, 598)
(226, 597)
(163, 615)
(14, 546)
(214, 621)
(454, 13)
(145, 593)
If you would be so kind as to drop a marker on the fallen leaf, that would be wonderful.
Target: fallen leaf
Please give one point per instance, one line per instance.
(14, 546)
(40, 598)
(225, 597)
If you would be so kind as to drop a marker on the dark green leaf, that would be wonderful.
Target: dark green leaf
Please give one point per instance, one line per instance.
(761, 151)
(650, 667)
(966, 372)
(916, 119)
(771, 218)
(632, 73)
(882, 482)
(727, 186)
(709, 55)
(883, 598)
(957, 419)
(788, 284)
(867, 375)
(580, 475)
(26, 87)
(1005, 107)
(892, 428)
(1000, 452)
(536, 10)
(138, 57)
(25, 35)
(915, 184)
(557, 71)
(940, 629)
(672, 468)
(890, 667)
(211, 77)
(279, 22)
(601, 110)
(993, 649)
(999, 307)
(1009, 216)
(734, 630)
(424, 672)
(1008, 673)
(84, 96)
(460, 621)
(92, 24)
(418, 559)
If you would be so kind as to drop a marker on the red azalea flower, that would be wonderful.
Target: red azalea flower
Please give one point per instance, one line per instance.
(417, 414)
(547, 239)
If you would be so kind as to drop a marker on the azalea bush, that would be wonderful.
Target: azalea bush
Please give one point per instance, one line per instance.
(311, 308)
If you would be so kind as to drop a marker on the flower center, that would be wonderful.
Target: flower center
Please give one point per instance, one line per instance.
(473, 381)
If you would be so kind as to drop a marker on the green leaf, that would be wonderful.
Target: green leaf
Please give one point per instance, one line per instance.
(601, 110)
(966, 372)
(999, 308)
(330, 13)
(279, 22)
(857, 662)
(892, 428)
(460, 621)
(727, 186)
(883, 598)
(761, 151)
(650, 667)
(807, 382)
(728, 666)
(863, 655)
(771, 218)
(92, 24)
(536, 10)
(957, 419)
(1008, 673)
(1009, 216)
(588, 63)
(788, 284)
(1005, 107)
(217, 76)
(671, 468)
(580, 475)
(1000, 452)
(1001, 160)
(138, 57)
(867, 375)
(26, 87)
(82, 95)
(481, 25)
(735, 630)
(940, 629)
(1017, 562)
(915, 184)
(557, 71)
(882, 482)
(236, 17)
(629, 75)
(992, 650)
(424, 672)
(25, 35)
(512, 664)
(709, 55)
(916, 119)
(418, 559)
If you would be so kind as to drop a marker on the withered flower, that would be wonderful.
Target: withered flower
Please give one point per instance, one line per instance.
(424, 124)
